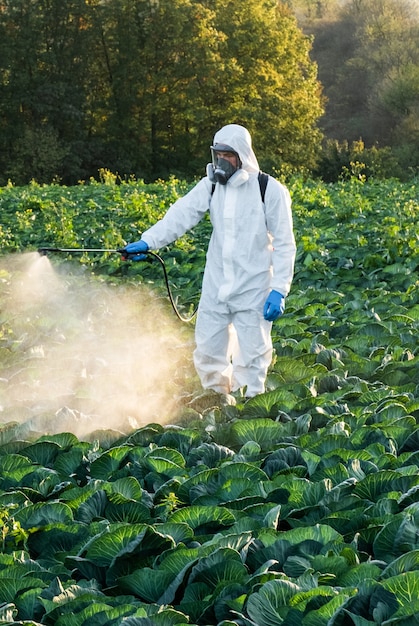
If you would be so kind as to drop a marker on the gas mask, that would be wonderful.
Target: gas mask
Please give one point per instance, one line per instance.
(220, 170)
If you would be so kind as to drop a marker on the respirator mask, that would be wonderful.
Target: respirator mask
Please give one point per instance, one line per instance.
(221, 169)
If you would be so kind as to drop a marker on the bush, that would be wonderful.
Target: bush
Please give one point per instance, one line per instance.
(341, 160)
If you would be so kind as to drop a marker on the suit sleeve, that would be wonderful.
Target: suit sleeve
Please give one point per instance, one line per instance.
(183, 215)
(280, 226)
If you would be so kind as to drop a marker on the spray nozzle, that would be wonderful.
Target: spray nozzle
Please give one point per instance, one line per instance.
(46, 251)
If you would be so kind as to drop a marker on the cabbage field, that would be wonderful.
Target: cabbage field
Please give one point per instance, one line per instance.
(299, 507)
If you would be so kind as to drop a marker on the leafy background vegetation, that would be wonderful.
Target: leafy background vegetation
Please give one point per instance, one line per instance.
(297, 507)
(368, 62)
(140, 86)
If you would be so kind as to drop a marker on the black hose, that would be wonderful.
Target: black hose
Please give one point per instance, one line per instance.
(45, 251)
(169, 292)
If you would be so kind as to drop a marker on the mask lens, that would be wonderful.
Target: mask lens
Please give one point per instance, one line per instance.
(223, 168)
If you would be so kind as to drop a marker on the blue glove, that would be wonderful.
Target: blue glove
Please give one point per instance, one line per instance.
(274, 306)
(133, 251)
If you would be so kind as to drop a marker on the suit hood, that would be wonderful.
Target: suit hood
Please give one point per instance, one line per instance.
(238, 138)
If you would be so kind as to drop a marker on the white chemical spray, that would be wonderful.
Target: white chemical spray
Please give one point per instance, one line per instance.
(78, 354)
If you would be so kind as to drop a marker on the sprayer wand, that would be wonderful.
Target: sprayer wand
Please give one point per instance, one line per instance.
(45, 251)
(126, 257)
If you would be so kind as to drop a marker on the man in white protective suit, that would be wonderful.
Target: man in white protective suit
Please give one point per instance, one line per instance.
(249, 266)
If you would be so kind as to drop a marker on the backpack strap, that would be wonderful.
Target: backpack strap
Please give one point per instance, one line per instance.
(263, 182)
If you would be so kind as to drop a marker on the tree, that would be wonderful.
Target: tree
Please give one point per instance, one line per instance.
(309, 10)
(197, 68)
(387, 36)
(271, 82)
(140, 86)
(44, 70)
(368, 55)
(157, 52)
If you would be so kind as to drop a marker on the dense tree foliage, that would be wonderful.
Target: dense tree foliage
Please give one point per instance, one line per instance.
(368, 57)
(140, 86)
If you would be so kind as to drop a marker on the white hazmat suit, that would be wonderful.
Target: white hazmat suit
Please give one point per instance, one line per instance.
(251, 252)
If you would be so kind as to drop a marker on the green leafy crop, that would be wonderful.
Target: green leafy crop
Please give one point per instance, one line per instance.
(298, 507)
